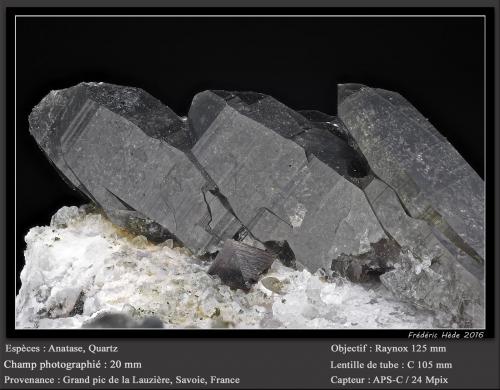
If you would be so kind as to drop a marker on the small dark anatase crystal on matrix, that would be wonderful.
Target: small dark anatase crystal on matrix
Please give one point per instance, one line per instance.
(240, 265)
(376, 192)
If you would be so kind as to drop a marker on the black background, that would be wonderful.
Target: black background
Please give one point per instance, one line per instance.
(436, 63)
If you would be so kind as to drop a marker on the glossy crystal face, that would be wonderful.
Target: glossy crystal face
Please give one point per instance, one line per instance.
(374, 195)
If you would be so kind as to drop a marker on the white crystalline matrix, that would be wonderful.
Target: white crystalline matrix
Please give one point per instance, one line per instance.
(82, 266)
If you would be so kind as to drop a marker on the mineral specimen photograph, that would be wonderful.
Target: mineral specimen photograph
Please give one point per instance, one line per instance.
(236, 208)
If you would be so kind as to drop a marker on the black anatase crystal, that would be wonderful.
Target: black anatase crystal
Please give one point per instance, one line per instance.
(239, 265)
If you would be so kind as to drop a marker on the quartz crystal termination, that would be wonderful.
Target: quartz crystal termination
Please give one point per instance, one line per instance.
(427, 197)
(373, 193)
(434, 183)
(129, 154)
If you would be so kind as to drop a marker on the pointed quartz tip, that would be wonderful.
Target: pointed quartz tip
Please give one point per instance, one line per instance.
(47, 111)
(132, 103)
(206, 106)
(44, 114)
(348, 89)
(239, 265)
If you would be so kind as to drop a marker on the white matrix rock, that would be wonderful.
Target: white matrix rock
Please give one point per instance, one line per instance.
(82, 266)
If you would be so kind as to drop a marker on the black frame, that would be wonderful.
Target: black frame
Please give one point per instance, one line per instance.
(322, 333)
